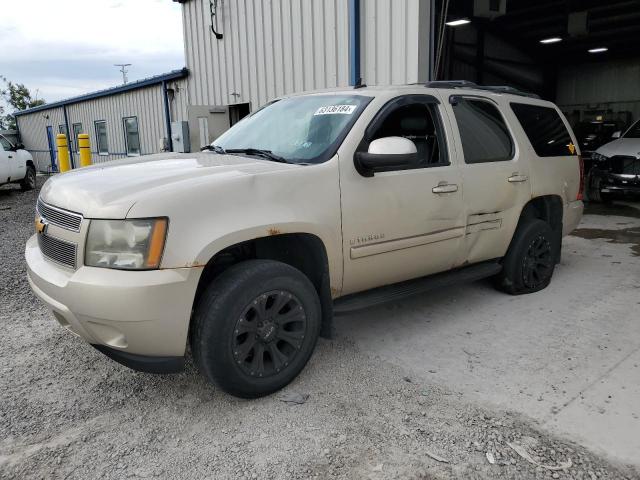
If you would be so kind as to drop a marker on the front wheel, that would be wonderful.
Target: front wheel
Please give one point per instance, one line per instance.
(530, 260)
(29, 181)
(255, 327)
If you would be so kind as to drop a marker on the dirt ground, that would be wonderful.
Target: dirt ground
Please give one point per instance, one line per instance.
(66, 411)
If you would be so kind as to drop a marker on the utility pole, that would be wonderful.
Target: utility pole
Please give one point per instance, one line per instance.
(123, 70)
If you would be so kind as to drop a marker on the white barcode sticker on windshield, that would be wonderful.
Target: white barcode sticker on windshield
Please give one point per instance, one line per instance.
(336, 110)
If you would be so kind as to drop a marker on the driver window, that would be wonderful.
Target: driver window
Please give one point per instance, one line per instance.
(415, 122)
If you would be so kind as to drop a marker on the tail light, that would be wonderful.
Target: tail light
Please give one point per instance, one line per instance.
(581, 187)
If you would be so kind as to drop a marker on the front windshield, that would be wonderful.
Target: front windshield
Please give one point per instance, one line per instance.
(307, 129)
(634, 131)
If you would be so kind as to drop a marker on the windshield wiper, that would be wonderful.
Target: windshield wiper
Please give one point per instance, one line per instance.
(268, 154)
(214, 148)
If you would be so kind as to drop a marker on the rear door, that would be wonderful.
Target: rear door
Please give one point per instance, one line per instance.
(495, 174)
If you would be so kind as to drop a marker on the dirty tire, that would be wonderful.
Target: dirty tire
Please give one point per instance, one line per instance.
(530, 260)
(29, 181)
(255, 327)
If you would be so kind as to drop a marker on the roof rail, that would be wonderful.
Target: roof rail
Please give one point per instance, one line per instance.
(475, 86)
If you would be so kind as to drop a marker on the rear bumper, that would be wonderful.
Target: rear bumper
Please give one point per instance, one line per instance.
(131, 314)
(571, 216)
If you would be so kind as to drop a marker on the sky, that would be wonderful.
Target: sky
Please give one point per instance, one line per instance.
(63, 48)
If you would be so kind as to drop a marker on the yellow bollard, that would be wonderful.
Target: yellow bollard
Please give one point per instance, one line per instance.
(63, 153)
(85, 150)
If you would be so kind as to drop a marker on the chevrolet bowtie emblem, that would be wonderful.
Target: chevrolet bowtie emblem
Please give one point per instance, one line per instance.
(41, 225)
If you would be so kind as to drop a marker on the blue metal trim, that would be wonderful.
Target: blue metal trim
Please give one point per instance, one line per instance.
(69, 146)
(146, 82)
(354, 42)
(167, 115)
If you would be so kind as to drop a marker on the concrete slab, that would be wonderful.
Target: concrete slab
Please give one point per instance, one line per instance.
(566, 356)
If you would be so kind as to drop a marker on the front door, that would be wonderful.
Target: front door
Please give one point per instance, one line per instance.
(494, 172)
(52, 149)
(403, 224)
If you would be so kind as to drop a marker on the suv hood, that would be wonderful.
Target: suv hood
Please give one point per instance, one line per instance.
(109, 190)
(621, 146)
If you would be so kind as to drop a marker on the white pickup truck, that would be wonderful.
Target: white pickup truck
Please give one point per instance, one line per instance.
(16, 165)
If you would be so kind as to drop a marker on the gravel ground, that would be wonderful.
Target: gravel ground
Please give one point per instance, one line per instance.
(66, 411)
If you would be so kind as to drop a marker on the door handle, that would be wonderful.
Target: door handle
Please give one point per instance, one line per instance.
(10, 156)
(517, 178)
(445, 188)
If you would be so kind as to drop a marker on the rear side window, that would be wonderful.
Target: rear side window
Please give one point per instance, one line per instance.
(484, 135)
(545, 129)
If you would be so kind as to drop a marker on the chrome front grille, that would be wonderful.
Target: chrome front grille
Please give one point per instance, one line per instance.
(58, 250)
(61, 218)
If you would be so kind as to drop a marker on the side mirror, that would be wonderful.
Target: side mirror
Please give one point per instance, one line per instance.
(19, 146)
(385, 155)
(617, 134)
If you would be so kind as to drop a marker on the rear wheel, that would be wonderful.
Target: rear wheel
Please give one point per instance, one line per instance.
(530, 260)
(255, 327)
(29, 181)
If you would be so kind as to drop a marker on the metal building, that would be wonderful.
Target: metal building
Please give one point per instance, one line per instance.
(128, 120)
(241, 54)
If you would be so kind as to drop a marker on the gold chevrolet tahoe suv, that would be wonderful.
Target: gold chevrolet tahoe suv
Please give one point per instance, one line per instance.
(316, 204)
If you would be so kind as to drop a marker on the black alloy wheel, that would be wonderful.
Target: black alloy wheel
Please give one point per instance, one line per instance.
(269, 333)
(537, 263)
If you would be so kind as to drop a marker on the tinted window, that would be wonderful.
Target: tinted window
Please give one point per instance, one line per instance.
(484, 135)
(545, 129)
(634, 131)
(419, 123)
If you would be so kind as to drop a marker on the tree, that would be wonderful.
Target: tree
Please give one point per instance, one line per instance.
(18, 97)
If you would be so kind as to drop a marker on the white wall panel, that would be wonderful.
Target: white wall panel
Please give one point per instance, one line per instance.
(270, 48)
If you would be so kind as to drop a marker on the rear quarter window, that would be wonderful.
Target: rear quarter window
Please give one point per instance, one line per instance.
(545, 130)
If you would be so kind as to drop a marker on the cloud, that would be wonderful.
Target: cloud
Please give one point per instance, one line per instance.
(68, 47)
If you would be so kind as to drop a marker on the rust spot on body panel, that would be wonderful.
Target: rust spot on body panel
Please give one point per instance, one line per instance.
(274, 231)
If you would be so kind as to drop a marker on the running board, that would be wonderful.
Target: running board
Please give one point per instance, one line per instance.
(398, 291)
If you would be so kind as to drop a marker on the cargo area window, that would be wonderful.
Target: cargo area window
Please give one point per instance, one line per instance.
(483, 132)
(415, 118)
(131, 136)
(102, 141)
(545, 130)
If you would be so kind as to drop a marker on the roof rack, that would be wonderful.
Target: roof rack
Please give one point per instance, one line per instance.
(475, 86)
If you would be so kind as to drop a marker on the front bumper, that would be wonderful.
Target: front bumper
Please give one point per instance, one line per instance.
(127, 315)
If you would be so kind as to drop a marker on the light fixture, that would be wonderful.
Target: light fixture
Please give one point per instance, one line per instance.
(457, 23)
(598, 50)
(551, 40)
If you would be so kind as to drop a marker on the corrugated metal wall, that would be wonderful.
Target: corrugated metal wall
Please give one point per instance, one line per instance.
(610, 86)
(275, 47)
(33, 133)
(270, 48)
(390, 41)
(145, 103)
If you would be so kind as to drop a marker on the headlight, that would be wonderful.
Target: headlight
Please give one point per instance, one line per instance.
(126, 244)
(598, 157)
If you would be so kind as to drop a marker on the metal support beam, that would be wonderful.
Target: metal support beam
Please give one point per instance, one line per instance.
(167, 115)
(354, 42)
